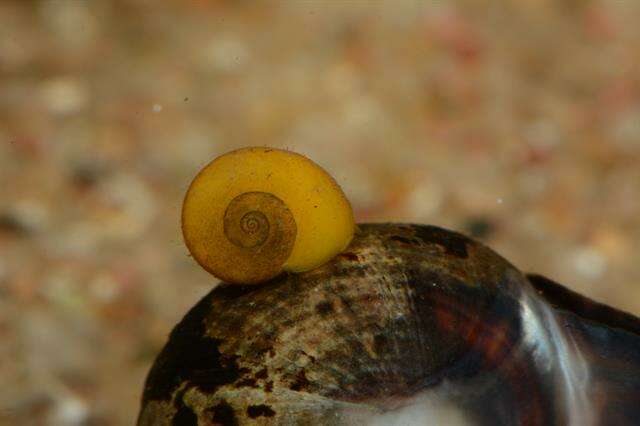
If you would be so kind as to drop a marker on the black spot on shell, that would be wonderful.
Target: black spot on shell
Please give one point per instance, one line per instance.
(262, 374)
(260, 411)
(301, 382)
(380, 343)
(233, 291)
(324, 308)
(400, 239)
(311, 357)
(252, 382)
(184, 416)
(222, 414)
(453, 243)
(247, 383)
(190, 356)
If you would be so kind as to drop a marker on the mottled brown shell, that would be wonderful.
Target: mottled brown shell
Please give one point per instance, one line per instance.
(404, 309)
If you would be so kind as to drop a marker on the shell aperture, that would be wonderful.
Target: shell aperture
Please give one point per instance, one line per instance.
(255, 212)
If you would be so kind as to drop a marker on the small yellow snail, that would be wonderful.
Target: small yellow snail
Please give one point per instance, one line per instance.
(255, 212)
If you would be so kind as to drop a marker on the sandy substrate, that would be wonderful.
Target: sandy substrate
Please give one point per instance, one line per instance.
(519, 125)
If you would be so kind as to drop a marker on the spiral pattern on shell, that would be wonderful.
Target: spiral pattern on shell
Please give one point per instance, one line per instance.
(263, 230)
(254, 224)
(246, 227)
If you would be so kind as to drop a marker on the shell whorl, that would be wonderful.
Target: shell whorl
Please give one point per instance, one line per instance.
(262, 228)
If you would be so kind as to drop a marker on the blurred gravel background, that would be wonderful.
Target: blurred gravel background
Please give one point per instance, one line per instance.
(518, 124)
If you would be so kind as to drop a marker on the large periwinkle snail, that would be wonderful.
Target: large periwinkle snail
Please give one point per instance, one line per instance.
(409, 325)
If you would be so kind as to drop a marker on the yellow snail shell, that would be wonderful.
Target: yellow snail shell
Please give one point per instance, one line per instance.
(255, 212)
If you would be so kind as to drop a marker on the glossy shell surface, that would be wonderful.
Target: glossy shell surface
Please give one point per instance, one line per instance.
(410, 322)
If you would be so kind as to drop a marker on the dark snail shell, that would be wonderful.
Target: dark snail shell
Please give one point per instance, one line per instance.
(410, 323)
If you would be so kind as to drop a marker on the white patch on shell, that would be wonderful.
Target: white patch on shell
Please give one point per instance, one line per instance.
(424, 409)
(555, 351)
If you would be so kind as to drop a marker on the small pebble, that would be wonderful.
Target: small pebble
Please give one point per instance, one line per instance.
(589, 262)
(70, 411)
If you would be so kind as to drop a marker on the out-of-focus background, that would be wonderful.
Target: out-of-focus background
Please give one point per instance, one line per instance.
(517, 124)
